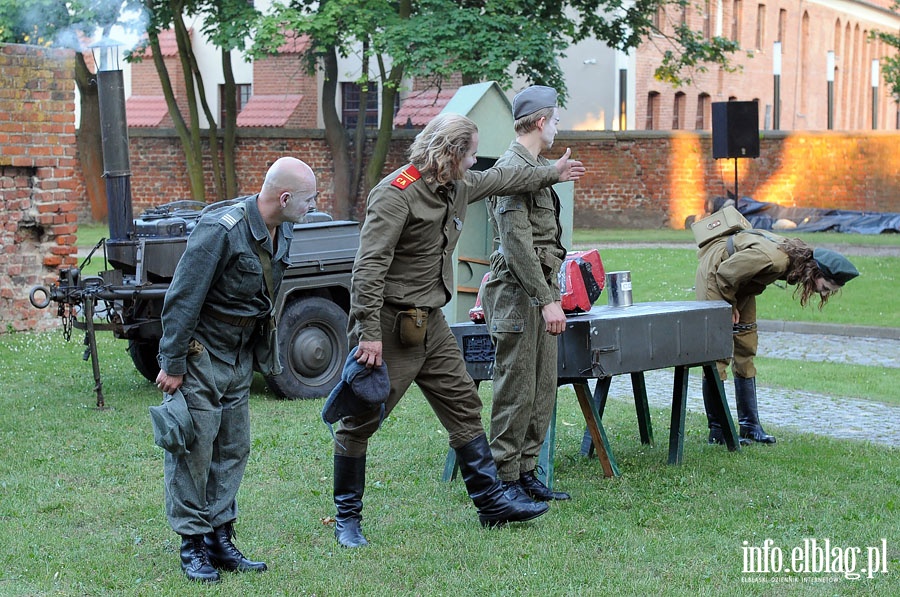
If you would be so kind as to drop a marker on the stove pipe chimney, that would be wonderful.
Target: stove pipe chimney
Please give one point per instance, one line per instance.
(114, 136)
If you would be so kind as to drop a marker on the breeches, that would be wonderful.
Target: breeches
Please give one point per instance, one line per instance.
(438, 369)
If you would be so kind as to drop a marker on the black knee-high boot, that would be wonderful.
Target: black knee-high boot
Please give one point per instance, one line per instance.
(495, 505)
(349, 484)
(748, 413)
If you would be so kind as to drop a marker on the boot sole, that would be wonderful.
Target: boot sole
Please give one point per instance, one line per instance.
(490, 523)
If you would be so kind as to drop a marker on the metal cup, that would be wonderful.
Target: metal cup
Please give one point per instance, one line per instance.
(618, 288)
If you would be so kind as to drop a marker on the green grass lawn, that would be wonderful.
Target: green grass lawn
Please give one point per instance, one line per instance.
(83, 510)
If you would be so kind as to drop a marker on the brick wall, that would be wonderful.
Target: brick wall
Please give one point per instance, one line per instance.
(40, 188)
(639, 179)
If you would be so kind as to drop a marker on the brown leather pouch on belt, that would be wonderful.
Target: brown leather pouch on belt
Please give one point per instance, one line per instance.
(413, 325)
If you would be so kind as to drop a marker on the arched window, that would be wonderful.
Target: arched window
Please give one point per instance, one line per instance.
(678, 111)
(703, 108)
(652, 111)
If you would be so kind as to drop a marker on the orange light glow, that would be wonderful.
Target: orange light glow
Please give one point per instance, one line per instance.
(686, 182)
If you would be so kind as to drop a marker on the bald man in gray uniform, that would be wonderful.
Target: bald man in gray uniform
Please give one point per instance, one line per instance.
(215, 312)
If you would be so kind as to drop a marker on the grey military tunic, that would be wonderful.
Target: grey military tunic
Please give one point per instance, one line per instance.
(218, 277)
(405, 260)
(524, 277)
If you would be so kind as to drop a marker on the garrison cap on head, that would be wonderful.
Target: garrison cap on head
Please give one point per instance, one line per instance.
(173, 426)
(532, 99)
(360, 390)
(835, 266)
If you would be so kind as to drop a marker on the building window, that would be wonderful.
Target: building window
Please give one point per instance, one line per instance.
(702, 111)
(652, 111)
(782, 23)
(678, 111)
(707, 19)
(736, 16)
(242, 93)
(760, 26)
(350, 105)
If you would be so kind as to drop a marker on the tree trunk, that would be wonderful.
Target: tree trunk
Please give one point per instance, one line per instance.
(336, 137)
(89, 142)
(229, 127)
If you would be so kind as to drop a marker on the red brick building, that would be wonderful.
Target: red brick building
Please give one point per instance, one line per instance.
(807, 31)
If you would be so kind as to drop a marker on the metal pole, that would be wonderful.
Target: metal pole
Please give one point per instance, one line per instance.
(623, 99)
(776, 110)
(736, 196)
(776, 71)
(875, 77)
(829, 75)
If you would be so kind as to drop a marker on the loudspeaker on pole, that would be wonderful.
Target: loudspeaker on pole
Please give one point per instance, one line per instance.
(735, 130)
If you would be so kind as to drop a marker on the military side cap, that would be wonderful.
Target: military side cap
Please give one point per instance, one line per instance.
(173, 426)
(361, 390)
(532, 99)
(835, 266)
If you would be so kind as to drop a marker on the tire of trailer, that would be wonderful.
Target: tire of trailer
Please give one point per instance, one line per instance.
(312, 343)
(143, 354)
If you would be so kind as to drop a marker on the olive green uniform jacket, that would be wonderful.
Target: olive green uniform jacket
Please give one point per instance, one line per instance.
(524, 278)
(738, 279)
(405, 259)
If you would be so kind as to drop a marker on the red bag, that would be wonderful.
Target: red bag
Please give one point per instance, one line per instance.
(581, 280)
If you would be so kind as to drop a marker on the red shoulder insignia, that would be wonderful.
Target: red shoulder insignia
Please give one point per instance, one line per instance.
(409, 175)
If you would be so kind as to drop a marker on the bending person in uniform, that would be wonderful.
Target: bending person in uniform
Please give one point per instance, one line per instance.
(522, 305)
(736, 269)
(402, 276)
(216, 311)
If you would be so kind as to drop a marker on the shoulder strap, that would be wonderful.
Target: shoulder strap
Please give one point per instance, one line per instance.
(770, 237)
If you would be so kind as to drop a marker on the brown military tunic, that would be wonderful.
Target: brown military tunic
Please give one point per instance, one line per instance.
(405, 260)
(738, 279)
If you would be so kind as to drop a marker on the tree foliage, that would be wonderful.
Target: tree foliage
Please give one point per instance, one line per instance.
(890, 65)
(478, 39)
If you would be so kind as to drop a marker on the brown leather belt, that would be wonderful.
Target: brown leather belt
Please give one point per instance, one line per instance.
(241, 322)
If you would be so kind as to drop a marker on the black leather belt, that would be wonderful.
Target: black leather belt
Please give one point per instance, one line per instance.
(241, 322)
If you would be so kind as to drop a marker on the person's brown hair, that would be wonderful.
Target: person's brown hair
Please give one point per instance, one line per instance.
(441, 146)
(803, 271)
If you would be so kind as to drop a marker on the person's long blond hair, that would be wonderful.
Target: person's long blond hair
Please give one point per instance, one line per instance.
(441, 146)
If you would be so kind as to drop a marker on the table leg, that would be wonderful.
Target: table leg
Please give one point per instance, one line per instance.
(601, 392)
(679, 408)
(720, 409)
(595, 428)
(639, 387)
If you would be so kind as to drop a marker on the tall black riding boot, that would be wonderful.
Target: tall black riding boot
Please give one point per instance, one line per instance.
(497, 503)
(349, 484)
(748, 414)
(195, 559)
(224, 555)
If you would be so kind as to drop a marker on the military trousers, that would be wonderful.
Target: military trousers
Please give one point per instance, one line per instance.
(524, 377)
(201, 486)
(745, 338)
(438, 369)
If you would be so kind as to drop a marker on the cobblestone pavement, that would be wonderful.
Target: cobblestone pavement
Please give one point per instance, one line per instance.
(838, 417)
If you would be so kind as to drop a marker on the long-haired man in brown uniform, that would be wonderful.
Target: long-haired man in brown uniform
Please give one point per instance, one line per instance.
(402, 276)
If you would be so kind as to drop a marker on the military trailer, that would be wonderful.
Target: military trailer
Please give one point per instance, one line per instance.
(140, 256)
